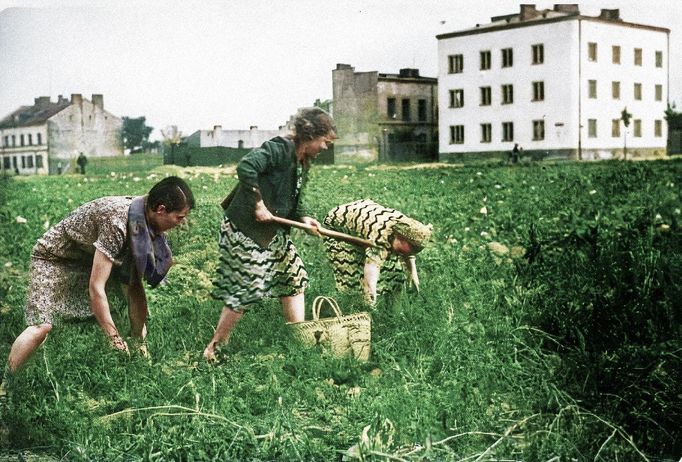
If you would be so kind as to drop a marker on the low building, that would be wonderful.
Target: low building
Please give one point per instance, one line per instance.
(251, 138)
(45, 137)
(384, 117)
(555, 82)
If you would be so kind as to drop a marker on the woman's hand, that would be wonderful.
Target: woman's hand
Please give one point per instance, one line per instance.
(262, 214)
(314, 223)
(118, 343)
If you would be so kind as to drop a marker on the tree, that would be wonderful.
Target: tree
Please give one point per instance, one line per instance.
(171, 138)
(625, 116)
(326, 104)
(135, 133)
(673, 117)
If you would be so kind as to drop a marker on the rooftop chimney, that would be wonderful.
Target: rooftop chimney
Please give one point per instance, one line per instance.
(76, 98)
(571, 8)
(528, 11)
(98, 101)
(408, 72)
(340, 66)
(610, 15)
(42, 101)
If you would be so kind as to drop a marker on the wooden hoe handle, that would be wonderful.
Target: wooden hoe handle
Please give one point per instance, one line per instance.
(325, 232)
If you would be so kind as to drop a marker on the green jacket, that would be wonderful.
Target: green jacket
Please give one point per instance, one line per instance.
(268, 173)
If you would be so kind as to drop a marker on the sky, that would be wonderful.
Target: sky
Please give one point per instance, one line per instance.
(239, 63)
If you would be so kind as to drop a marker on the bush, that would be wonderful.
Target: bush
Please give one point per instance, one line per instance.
(611, 295)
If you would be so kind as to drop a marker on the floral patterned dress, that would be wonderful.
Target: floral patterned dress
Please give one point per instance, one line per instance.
(61, 260)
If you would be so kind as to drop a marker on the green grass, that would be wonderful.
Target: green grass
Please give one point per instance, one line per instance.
(486, 363)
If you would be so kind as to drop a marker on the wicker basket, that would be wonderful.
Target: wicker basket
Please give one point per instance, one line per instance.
(342, 336)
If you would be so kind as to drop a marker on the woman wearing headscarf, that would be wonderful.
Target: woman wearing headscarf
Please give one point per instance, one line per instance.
(386, 265)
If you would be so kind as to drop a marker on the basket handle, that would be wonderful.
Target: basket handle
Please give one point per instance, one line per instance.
(321, 300)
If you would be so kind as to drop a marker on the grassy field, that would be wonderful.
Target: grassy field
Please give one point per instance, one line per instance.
(547, 328)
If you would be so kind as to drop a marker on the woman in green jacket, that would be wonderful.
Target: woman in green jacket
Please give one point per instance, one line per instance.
(257, 257)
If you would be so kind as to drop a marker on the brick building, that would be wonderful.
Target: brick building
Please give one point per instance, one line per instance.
(384, 117)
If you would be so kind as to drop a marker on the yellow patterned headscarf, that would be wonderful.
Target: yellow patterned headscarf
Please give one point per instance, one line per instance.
(415, 232)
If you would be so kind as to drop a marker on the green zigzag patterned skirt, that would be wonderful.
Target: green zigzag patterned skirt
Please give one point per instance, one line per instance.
(247, 272)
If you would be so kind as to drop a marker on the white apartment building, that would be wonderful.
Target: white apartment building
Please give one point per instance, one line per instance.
(555, 82)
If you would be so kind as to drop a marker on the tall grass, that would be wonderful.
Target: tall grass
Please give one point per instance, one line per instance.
(485, 363)
(134, 163)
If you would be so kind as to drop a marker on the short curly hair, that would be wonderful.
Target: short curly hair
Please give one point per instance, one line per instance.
(313, 122)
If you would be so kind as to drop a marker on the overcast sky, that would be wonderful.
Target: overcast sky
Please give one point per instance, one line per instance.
(196, 64)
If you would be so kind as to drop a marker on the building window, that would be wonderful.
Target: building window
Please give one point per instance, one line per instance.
(507, 57)
(23, 162)
(592, 89)
(457, 98)
(455, 64)
(6, 141)
(29, 161)
(390, 108)
(507, 94)
(21, 140)
(30, 139)
(592, 128)
(421, 110)
(456, 134)
(658, 90)
(406, 110)
(615, 128)
(592, 51)
(538, 91)
(6, 163)
(615, 90)
(14, 140)
(486, 133)
(538, 130)
(637, 124)
(485, 60)
(638, 56)
(658, 128)
(615, 54)
(486, 97)
(39, 161)
(638, 91)
(538, 53)
(507, 131)
(659, 59)
(40, 138)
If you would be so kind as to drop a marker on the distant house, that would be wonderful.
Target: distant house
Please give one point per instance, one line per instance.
(45, 137)
(556, 82)
(248, 139)
(384, 117)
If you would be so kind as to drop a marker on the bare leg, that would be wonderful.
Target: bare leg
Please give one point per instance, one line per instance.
(26, 343)
(228, 319)
(294, 308)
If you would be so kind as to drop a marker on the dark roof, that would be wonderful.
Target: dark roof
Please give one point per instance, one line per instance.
(513, 21)
(37, 114)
